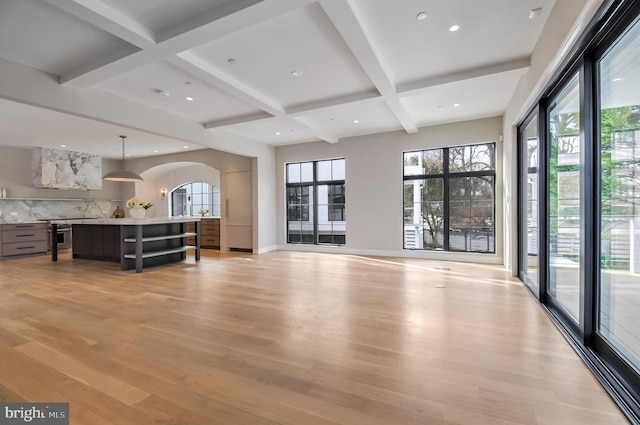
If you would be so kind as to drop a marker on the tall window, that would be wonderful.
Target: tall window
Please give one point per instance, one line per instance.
(529, 207)
(190, 198)
(565, 203)
(619, 116)
(316, 202)
(449, 201)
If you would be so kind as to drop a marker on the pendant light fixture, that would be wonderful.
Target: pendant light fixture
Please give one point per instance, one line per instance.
(122, 175)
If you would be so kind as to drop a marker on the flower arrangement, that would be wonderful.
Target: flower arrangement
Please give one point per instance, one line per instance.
(138, 202)
(203, 211)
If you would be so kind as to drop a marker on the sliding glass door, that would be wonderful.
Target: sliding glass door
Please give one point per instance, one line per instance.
(579, 201)
(529, 206)
(619, 234)
(564, 197)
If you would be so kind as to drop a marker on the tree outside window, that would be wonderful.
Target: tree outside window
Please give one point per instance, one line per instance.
(449, 201)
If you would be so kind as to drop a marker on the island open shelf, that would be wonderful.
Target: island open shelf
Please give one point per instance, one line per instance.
(136, 244)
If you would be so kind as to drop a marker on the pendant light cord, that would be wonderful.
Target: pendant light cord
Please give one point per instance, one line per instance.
(123, 137)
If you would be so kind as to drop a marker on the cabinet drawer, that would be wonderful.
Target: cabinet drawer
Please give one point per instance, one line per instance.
(21, 248)
(24, 226)
(210, 241)
(24, 235)
(211, 230)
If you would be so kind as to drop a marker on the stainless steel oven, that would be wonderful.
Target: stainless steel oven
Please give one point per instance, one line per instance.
(63, 237)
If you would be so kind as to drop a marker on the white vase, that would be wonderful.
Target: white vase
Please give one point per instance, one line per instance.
(137, 212)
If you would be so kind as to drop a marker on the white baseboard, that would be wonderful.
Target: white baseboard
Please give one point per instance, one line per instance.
(466, 257)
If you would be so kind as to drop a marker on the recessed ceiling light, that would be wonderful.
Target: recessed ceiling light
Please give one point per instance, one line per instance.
(296, 73)
(454, 28)
(128, 154)
(63, 146)
(163, 93)
(155, 151)
(188, 83)
(189, 98)
(421, 16)
(534, 13)
(617, 80)
(356, 121)
(186, 147)
(455, 105)
(232, 61)
(277, 133)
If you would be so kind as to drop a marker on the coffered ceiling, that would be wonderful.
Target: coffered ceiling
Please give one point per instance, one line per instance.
(272, 71)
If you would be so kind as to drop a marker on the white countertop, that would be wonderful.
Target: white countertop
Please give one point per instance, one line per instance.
(2, 221)
(127, 221)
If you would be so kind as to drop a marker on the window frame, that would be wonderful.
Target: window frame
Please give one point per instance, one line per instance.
(213, 206)
(446, 175)
(313, 205)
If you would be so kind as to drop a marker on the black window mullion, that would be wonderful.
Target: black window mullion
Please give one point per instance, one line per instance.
(445, 198)
(543, 205)
(588, 214)
(316, 235)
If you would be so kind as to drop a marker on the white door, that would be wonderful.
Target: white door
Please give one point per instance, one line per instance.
(238, 210)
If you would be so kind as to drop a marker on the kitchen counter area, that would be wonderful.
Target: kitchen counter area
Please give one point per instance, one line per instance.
(136, 244)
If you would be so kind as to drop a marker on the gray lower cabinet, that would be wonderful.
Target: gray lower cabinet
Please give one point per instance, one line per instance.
(96, 242)
(23, 239)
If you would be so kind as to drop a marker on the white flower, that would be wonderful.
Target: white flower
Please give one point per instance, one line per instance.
(138, 202)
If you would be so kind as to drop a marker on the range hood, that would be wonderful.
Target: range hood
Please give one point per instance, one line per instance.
(60, 169)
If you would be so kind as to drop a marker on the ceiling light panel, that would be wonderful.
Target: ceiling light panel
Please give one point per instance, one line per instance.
(143, 86)
(372, 117)
(476, 98)
(273, 131)
(163, 15)
(92, 136)
(302, 40)
(400, 40)
(41, 36)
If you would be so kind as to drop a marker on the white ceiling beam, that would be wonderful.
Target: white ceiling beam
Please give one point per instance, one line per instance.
(108, 19)
(416, 87)
(233, 16)
(351, 99)
(240, 119)
(343, 17)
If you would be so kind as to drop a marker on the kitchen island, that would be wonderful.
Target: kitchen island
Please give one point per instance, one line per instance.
(134, 243)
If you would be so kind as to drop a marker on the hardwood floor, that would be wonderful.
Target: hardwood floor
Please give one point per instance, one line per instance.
(288, 338)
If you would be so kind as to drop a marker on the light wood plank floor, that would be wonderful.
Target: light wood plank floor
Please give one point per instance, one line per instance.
(288, 338)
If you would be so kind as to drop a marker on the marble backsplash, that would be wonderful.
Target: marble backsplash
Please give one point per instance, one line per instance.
(17, 210)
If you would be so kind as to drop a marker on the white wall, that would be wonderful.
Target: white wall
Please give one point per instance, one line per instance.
(374, 186)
